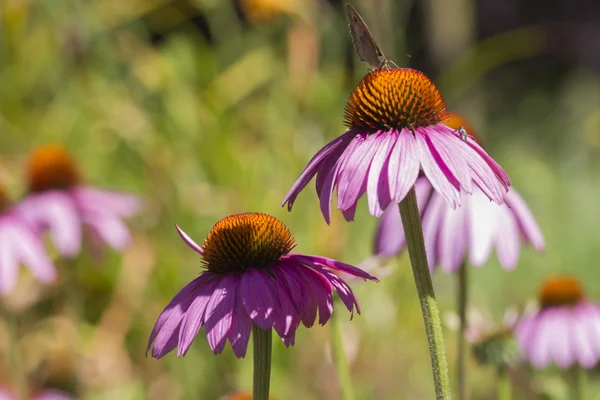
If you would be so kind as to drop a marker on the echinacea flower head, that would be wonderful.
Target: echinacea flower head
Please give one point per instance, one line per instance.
(250, 277)
(564, 330)
(469, 232)
(60, 202)
(396, 132)
(20, 244)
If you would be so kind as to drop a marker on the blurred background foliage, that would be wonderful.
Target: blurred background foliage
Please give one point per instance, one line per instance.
(206, 108)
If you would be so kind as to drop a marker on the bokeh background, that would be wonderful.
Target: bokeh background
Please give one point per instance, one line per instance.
(206, 108)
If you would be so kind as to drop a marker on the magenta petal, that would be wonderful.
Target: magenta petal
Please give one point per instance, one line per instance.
(313, 165)
(437, 174)
(189, 241)
(301, 291)
(193, 318)
(321, 289)
(443, 145)
(168, 320)
(219, 313)
(257, 298)
(346, 294)
(331, 263)
(241, 324)
(288, 317)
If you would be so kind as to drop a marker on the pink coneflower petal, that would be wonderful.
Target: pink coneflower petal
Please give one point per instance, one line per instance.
(241, 326)
(404, 166)
(583, 344)
(538, 353)
(321, 289)
(333, 264)
(312, 167)
(110, 230)
(454, 236)
(219, 313)
(378, 189)
(103, 201)
(343, 290)
(507, 241)
(352, 181)
(288, 318)
(560, 341)
(527, 224)
(189, 241)
(257, 298)
(168, 322)
(57, 212)
(307, 305)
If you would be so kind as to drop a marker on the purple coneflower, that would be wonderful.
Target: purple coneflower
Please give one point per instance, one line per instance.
(396, 132)
(474, 228)
(250, 277)
(20, 244)
(565, 330)
(58, 201)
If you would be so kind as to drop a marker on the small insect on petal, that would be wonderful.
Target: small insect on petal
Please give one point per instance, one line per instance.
(463, 133)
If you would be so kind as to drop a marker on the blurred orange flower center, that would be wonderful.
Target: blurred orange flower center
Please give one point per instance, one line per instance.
(455, 121)
(560, 291)
(51, 167)
(242, 241)
(394, 99)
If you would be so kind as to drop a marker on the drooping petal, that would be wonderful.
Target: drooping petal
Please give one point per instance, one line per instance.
(538, 351)
(378, 191)
(560, 345)
(484, 225)
(507, 238)
(305, 300)
(189, 241)
(57, 212)
(444, 146)
(31, 253)
(313, 165)
(433, 217)
(110, 230)
(331, 263)
(171, 316)
(219, 313)
(437, 172)
(258, 299)
(582, 342)
(453, 237)
(9, 262)
(241, 324)
(193, 318)
(389, 236)
(527, 224)
(288, 319)
(107, 202)
(403, 168)
(322, 289)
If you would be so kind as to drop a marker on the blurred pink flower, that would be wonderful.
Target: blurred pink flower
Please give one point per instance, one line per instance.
(20, 244)
(48, 394)
(396, 131)
(250, 278)
(565, 330)
(470, 231)
(60, 203)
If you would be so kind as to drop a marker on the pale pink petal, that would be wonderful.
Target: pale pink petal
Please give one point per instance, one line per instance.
(378, 192)
(453, 238)
(106, 202)
(389, 236)
(30, 250)
(9, 262)
(353, 177)
(110, 230)
(403, 168)
(444, 145)
(580, 340)
(507, 239)
(559, 344)
(433, 217)
(57, 212)
(189, 241)
(538, 351)
(527, 224)
(483, 228)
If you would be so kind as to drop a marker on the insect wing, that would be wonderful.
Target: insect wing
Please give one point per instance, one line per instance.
(364, 43)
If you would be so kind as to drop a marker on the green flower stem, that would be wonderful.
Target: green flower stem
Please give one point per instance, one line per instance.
(339, 358)
(409, 211)
(461, 367)
(13, 354)
(575, 378)
(504, 385)
(261, 341)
